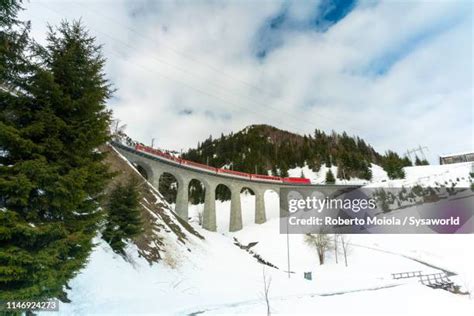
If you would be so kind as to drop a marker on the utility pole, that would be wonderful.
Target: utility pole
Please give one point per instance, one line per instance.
(116, 126)
(152, 142)
(420, 150)
(288, 244)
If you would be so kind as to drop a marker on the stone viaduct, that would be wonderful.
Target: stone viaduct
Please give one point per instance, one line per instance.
(155, 166)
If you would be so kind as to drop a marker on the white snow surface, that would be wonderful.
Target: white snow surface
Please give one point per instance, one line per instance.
(457, 174)
(431, 175)
(217, 278)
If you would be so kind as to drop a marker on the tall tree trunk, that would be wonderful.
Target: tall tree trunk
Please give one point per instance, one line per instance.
(321, 256)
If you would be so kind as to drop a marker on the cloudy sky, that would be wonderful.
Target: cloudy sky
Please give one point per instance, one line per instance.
(397, 73)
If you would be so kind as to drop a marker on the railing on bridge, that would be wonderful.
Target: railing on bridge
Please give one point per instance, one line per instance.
(198, 165)
(269, 178)
(234, 173)
(258, 177)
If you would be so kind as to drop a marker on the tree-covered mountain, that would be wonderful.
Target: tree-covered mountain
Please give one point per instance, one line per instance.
(266, 149)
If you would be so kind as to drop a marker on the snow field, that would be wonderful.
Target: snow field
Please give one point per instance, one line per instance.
(215, 277)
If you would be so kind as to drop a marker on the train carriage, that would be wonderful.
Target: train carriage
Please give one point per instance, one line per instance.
(232, 173)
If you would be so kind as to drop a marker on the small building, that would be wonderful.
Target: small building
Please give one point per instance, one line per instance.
(456, 158)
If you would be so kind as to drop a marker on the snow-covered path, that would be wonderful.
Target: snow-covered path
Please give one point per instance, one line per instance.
(256, 302)
(430, 265)
(396, 300)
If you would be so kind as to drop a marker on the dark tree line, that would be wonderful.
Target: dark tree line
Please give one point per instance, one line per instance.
(261, 148)
(264, 149)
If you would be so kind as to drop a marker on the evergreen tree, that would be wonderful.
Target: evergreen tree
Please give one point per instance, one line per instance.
(196, 192)
(51, 173)
(284, 170)
(328, 161)
(406, 162)
(223, 193)
(168, 185)
(330, 177)
(274, 170)
(123, 216)
(14, 41)
(366, 173)
(419, 162)
(393, 165)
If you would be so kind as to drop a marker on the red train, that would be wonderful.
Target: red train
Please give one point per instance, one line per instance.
(258, 177)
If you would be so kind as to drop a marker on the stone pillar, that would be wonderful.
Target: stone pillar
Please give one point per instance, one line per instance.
(235, 210)
(209, 214)
(155, 181)
(181, 207)
(260, 216)
(283, 199)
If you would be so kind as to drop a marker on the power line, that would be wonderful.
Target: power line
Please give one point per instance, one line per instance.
(252, 110)
(177, 51)
(161, 60)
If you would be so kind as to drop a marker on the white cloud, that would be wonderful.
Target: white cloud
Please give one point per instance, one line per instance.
(398, 74)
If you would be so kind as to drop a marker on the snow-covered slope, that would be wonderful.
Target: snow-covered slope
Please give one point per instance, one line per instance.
(457, 175)
(220, 278)
(215, 277)
(431, 175)
(319, 177)
(166, 237)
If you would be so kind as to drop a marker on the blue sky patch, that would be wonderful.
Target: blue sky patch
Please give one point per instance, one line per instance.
(324, 15)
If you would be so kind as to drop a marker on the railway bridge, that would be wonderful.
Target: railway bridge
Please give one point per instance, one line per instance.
(155, 166)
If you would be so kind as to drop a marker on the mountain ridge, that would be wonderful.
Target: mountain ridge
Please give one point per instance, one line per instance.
(261, 148)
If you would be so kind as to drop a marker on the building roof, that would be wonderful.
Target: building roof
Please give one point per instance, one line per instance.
(457, 154)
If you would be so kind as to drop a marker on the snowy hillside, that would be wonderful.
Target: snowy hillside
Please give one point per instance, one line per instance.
(221, 278)
(437, 175)
(319, 177)
(431, 175)
(166, 237)
(216, 277)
